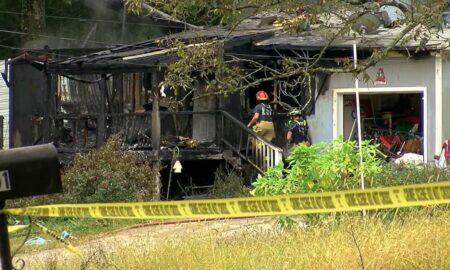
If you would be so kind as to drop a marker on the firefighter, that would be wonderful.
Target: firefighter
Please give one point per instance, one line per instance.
(298, 129)
(262, 118)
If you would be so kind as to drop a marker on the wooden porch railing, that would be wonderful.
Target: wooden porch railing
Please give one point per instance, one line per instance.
(247, 144)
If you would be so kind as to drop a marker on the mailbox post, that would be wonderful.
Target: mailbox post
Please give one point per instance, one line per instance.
(24, 172)
(5, 251)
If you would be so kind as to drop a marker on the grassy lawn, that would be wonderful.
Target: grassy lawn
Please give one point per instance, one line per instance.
(82, 230)
(419, 239)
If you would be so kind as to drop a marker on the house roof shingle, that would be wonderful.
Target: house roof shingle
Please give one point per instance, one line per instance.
(257, 31)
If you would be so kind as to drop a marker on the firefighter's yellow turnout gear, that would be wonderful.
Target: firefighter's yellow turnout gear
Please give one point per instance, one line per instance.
(265, 129)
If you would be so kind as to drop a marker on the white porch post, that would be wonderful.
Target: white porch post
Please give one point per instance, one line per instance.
(438, 106)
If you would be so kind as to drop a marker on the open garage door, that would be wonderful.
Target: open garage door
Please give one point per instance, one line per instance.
(394, 117)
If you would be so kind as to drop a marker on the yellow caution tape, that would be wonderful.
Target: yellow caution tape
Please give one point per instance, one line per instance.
(54, 235)
(309, 203)
(17, 228)
(68, 246)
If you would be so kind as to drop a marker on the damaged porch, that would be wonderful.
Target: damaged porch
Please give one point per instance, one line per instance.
(88, 109)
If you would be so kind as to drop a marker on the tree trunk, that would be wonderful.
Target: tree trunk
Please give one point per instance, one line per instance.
(33, 18)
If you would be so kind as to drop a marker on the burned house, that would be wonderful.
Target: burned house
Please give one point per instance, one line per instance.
(85, 99)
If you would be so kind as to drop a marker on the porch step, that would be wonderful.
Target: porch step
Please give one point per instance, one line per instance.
(233, 160)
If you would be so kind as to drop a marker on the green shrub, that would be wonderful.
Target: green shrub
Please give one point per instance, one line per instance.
(228, 184)
(109, 174)
(336, 166)
(321, 166)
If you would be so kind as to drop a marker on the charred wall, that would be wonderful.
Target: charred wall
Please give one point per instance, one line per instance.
(28, 90)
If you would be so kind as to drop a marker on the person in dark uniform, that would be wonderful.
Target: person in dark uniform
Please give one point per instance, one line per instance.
(262, 118)
(298, 129)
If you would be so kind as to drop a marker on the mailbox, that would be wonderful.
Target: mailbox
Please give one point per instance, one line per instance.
(29, 171)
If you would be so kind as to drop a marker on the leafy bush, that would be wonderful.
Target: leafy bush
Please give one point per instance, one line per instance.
(228, 184)
(321, 166)
(109, 174)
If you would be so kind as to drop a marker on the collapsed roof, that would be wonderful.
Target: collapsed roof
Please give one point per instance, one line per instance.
(149, 54)
(263, 32)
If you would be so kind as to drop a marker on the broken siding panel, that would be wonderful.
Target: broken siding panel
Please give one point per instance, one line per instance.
(4, 107)
(77, 97)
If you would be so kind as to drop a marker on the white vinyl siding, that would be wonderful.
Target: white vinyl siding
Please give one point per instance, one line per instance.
(4, 106)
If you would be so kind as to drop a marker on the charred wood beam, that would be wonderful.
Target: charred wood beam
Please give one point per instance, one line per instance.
(118, 88)
(101, 123)
(50, 108)
(110, 66)
(115, 64)
(156, 121)
(100, 69)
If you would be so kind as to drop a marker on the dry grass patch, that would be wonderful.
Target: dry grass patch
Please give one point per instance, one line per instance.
(415, 242)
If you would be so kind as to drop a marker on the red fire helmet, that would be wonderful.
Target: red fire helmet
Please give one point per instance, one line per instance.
(262, 95)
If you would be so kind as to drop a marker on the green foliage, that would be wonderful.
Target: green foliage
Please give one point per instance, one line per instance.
(228, 184)
(201, 64)
(109, 174)
(336, 166)
(321, 167)
(284, 222)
